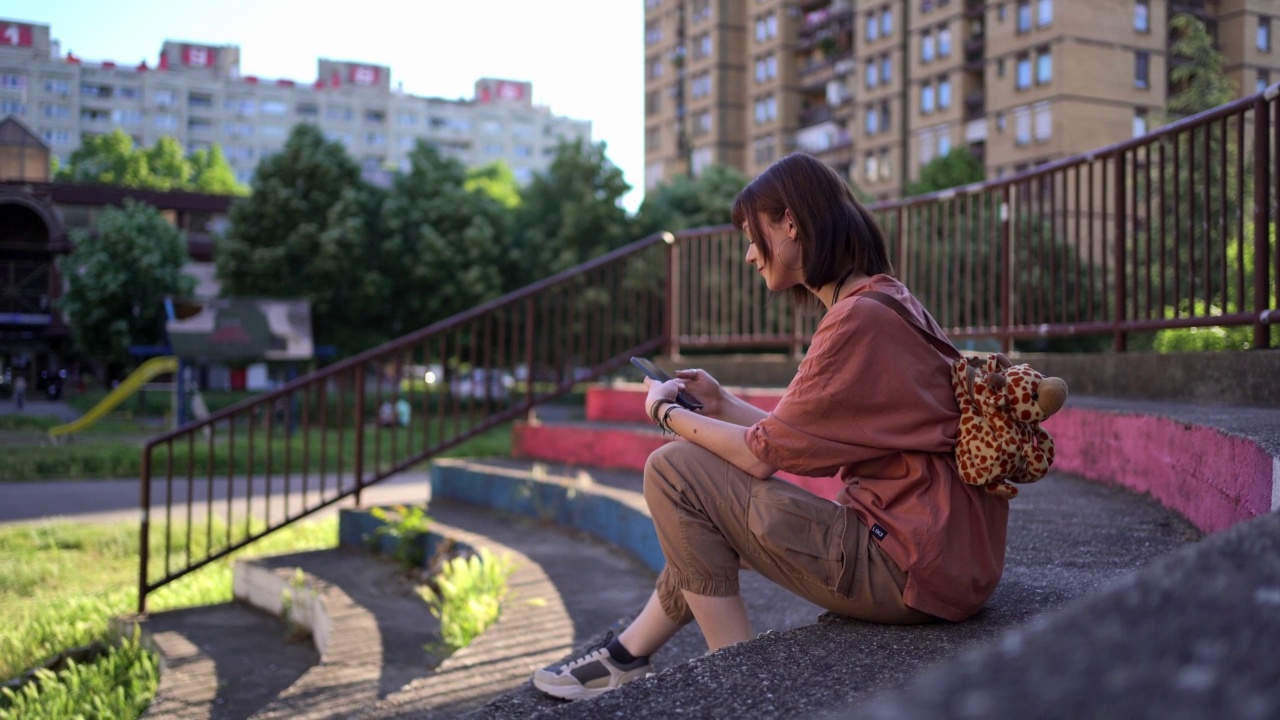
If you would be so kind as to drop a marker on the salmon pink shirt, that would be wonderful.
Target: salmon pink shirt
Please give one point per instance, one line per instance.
(872, 403)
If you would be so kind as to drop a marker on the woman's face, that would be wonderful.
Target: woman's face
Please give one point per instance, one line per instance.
(784, 268)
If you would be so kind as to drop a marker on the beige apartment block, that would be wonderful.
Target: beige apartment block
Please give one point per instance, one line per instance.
(879, 88)
(197, 94)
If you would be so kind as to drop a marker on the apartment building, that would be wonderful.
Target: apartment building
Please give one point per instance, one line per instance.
(197, 94)
(879, 88)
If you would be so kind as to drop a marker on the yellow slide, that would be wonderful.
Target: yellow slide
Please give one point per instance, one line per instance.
(145, 372)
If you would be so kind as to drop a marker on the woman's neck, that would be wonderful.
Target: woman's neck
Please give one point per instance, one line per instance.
(831, 293)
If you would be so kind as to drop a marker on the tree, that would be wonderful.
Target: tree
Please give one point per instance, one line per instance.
(109, 159)
(212, 174)
(958, 167)
(306, 232)
(167, 166)
(112, 159)
(497, 181)
(570, 213)
(1196, 80)
(117, 281)
(445, 245)
(686, 202)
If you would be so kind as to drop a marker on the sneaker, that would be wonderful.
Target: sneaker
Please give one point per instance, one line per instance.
(590, 675)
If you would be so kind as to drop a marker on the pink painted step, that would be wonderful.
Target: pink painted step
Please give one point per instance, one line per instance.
(620, 436)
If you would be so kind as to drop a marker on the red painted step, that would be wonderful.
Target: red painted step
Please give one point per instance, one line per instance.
(619, 436)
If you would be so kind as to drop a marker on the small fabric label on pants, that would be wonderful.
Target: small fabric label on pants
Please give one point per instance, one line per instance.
(878, 532)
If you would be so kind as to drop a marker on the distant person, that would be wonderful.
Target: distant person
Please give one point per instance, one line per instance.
(907, 541)
(386, 415)
(403, 412)
(20, 391)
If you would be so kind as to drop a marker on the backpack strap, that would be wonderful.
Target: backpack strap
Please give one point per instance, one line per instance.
(896, 305)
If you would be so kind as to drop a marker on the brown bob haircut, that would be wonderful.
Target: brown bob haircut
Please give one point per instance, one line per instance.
(837, 234)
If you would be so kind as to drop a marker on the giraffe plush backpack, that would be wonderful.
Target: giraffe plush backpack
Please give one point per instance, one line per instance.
(1000, 441)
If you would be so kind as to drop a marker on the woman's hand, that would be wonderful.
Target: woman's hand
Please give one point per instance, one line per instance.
(661, 391)
(705, 388)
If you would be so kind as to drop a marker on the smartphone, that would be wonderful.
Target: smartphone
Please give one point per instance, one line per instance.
(683, 399)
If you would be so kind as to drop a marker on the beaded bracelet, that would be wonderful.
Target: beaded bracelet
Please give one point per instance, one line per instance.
(666, 418)
(653, 410)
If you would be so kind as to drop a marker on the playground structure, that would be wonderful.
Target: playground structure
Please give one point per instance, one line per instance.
(141, 379)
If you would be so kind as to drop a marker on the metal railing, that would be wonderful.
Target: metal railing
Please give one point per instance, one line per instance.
(216, 485)
(1169, 230)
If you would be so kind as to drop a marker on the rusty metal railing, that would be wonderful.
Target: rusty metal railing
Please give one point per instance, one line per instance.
(1173, 229)
(216, 485)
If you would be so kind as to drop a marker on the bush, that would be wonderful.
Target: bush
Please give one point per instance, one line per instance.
(468, 595)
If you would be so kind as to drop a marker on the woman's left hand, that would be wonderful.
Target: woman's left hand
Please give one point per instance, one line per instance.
(661, 391)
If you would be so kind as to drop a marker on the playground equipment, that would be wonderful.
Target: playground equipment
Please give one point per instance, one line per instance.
(166, 364)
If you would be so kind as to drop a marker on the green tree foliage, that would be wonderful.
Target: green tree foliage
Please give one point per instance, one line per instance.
(113, 159)
(958, 167)
(445, 246)
(497, 181)
(211, 173)
(570, 213)
(1196, 78)
(307, 231)
(117, 280)
(686, 202)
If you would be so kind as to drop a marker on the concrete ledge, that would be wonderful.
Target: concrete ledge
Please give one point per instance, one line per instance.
(616, 516)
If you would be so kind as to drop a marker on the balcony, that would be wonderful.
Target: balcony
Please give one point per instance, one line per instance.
(974, 8)
(816, 115)
(836, 27)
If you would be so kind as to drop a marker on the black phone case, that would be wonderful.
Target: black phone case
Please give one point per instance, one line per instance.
(683, 399)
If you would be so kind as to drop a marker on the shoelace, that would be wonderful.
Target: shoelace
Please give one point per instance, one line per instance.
(587, 656)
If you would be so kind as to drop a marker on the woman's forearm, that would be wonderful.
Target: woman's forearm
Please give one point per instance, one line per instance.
(736, 411)
(721, 437)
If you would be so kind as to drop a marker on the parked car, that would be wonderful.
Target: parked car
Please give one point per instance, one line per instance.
(482, 384)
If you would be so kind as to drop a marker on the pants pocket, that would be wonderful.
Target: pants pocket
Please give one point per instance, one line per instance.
(801, 534)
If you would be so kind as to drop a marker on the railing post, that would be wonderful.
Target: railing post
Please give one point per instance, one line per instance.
(671, 317)
(359, 418)
(1003, 217)
(1121, 213)
(144, 539)
(528, 356)
(1261, 220)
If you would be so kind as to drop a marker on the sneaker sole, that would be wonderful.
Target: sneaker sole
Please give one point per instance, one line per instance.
(571, 692)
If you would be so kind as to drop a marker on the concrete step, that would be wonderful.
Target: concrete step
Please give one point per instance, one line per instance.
(1067, 538)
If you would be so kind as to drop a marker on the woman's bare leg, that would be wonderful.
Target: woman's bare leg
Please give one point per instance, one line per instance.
(650, 630)
(723, 620)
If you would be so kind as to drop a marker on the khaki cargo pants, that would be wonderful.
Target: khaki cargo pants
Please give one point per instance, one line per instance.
(713, 519)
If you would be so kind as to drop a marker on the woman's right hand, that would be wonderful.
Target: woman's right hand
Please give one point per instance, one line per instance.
(705, 388)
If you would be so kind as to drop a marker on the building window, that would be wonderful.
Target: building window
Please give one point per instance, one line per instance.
(1024, 16)
(701, 10)
(1141, 63)
(1139, 122)
(652, 33)
(999, 122)
(926, 46)
(926, 98)
(307, 110)
(873, 26)
(1043, 121)
(766, 68)
(1022, 79)
(701, 85)
(1264, 80)
(13, 107)
(944, 42)
(702, 123)
(405, 119)
(886, 68)
(884, 115)
(57, 136)
(338, 113)
(766, 27)
(1046, 13)
(871, 168)
(766, 109)
(873, 74)
(885, 167)
(375, 139)
(1022, 126)
(56, 110)
(944, 93)
(1044, 67)
(18, 82)
(57, 86)
(701, 160)
(886, 22)
(1142, 15)
(164, 122)
(763, 150)
(871, 122)
(1264, 33)
(704, 46)
(653, 138)
(944, 143)
(655, 68)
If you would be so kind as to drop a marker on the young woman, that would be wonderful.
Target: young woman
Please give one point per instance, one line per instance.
(907, 541)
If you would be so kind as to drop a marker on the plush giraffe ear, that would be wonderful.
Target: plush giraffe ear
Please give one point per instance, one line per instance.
(1002, 361)
(1052, 395)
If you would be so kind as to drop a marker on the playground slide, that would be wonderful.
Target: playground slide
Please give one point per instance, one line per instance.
(145, 372)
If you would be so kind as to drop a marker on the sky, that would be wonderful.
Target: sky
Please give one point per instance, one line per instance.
(585, 58)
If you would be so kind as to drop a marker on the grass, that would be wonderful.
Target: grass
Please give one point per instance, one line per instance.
(60, 585)
(95, 456)
(467, 595)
